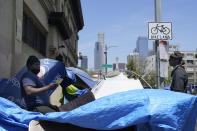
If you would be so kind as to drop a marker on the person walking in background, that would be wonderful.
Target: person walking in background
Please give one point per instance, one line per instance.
(179, 75)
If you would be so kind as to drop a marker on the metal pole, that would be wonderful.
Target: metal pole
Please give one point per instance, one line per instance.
(157, 63)
(157, 19)
(106, 59)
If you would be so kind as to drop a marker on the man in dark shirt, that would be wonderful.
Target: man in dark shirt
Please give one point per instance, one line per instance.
(179, 76)
(34, 92)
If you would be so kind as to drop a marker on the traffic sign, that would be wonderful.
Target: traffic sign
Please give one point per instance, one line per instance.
(160, 30)
(106, 66)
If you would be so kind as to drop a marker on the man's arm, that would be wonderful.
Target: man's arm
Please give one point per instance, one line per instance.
(31, 90)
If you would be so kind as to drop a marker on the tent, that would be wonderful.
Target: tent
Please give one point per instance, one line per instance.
(83, 79)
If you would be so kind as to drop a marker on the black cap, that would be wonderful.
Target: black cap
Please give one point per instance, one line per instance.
(31, 60)
(176, 55)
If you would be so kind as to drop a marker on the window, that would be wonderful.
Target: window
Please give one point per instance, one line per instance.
(195, 55)
(190, 68)
(190, 62)
(190, 81)
(190, 75)
(33, 36)
(190, 56)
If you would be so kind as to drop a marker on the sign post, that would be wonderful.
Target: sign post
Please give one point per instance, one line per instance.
(160, 31)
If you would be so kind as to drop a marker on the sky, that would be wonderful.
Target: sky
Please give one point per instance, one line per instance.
(122, 21)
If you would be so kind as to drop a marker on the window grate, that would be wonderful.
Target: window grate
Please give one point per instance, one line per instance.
(32, 36)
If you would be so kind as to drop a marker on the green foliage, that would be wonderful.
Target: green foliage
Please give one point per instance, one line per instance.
(131, 65)
(150, 78)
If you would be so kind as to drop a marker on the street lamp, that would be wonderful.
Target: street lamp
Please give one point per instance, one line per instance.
(105, 52)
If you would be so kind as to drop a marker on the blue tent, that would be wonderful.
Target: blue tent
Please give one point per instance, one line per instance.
(83, 76)
(50, 71)
(155, 110)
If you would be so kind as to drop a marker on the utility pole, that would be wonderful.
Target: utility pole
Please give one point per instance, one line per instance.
(105, 52)
(158, 18)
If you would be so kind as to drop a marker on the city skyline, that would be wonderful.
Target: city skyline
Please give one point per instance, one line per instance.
(123, 22)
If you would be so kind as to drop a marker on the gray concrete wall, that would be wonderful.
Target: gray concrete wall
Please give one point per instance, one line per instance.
(38, 11)
(6, 36)
(17, 53)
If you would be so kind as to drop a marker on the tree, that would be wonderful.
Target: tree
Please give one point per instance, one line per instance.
(150, 79)
(132, 66)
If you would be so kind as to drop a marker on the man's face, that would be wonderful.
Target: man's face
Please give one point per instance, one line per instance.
(173, 62)
(35, 68)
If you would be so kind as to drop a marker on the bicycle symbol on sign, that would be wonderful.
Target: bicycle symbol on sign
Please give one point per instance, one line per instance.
(161, 28)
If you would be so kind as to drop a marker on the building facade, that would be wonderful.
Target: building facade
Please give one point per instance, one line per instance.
(142, 47)
(99, 56)
(45, 28)
(150, 64)
(119, 67)
(84, 62)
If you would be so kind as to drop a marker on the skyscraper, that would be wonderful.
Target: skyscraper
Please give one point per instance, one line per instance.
(99, 57)
(142, 46)
(84, 62)
(142, 49)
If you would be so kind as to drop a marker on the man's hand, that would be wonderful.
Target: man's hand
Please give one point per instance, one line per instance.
(52, 85)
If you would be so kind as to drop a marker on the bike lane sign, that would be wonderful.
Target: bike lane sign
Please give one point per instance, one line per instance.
(160, 30)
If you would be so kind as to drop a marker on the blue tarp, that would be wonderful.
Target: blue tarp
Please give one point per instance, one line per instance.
(167, 88)
(155, 110)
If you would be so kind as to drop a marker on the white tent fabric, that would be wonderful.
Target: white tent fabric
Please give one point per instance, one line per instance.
(116, 84)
